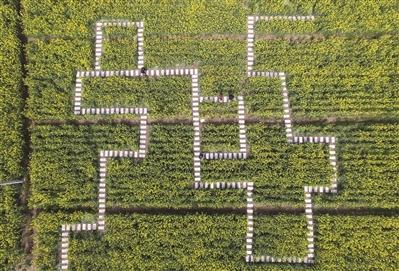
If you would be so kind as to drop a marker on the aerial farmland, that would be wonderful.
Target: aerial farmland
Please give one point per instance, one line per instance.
(199, 135)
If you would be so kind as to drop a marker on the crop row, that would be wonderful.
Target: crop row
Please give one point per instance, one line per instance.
(10, 135)
(10, 224)
(11, 96)
(336, 76)
(70, 154)
(119, 48)
(217, 242)
(74, 19)
(65, 162)
(169, 97)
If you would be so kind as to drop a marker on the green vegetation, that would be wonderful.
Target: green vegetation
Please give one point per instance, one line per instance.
(216, 242)
(342, 68)
(11, 95)
(120, 47)
(347, 70)
(167, 97)
(10, 135)
(67, 158)
(10, 224)
(337, 76)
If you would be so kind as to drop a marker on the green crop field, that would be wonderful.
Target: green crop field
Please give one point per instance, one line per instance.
(199, 135)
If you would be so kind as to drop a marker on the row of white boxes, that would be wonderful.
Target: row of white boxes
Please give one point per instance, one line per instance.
(224, 155)
(136, 73)
(222, 185)
(113, 110)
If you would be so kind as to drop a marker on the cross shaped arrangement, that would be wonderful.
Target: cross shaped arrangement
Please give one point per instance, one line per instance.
(196, 100)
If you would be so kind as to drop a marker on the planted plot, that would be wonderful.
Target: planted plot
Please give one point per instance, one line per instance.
(11, 138)
(167, 97)
(332, 76)
(119, 48)
(369, 164)
(165, 176)
(169, 17)
(361, 18)
(11, 102)
(10, 227)
(323, 79)
(65, 160)
(279, 170)
(336, 76)
(220, 138)
(283, 236)
(51, 89)
(264, 98)
(203, 241)
(219, 107)
(340, 79)
(42, 18)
